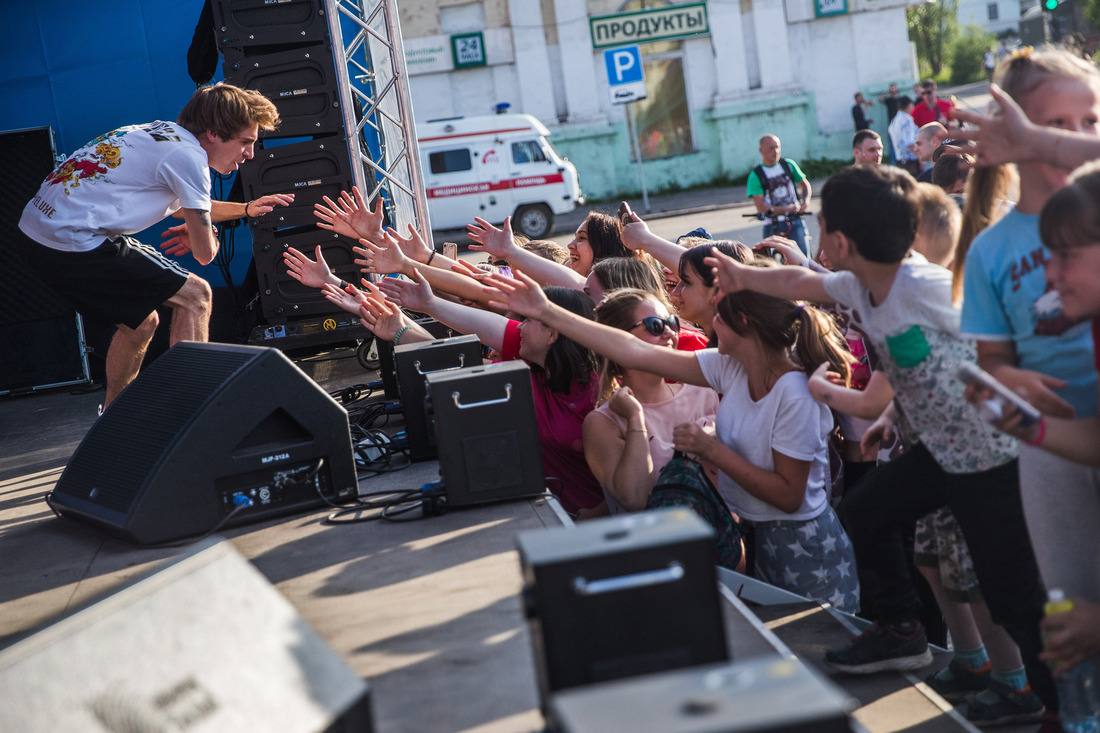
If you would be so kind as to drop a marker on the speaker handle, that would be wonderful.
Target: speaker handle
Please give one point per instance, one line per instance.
(507, 396)
(674, 572)
(461, 363)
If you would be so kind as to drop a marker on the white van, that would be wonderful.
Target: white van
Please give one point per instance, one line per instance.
(492, 167)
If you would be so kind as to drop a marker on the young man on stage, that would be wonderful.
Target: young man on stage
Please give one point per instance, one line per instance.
(127, 180)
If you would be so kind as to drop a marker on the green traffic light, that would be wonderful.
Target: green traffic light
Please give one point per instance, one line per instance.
(1050, 4)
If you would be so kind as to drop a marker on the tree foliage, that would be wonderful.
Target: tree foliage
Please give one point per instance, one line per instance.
(933, 27)
(968, 56)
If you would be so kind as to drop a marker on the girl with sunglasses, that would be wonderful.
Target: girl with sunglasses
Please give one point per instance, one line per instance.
(628, 437)
(771, 437)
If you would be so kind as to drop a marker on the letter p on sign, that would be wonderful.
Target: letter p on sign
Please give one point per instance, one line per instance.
(625, 78)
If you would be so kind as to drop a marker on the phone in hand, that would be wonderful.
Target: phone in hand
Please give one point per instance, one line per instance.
(624, 213)
(973, 374)
(450, 249)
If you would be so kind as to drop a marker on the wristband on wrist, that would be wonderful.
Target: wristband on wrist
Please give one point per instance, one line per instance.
(397, 336)
(246, 214)
(769, 212)
(1038, 441)
(430, 258)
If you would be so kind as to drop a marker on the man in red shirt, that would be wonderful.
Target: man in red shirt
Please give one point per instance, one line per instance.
(931, 108)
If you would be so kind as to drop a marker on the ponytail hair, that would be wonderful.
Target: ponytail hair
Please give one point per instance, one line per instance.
(784, 325)
(987, 190)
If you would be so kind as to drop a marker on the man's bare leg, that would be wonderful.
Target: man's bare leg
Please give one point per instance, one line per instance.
(191, 306)
(125, 354)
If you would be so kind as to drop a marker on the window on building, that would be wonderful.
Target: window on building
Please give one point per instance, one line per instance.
(662, 120)
(527, 151)
(994, 14)
(450, 161)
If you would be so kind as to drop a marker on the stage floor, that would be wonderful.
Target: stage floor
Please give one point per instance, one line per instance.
(428, 611)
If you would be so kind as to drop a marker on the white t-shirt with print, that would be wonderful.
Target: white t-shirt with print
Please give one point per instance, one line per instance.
(120, 183)
(916, 334)
(787, 419)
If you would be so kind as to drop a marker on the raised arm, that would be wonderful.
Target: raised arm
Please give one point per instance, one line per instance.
(637, 236)
(792, 283)
(621, 462)
(228, 210)
(418, 296)
(349, 216)
(524, 296)
(500, 243)
(386, 258)
(1010, 137)
(866, 403)
(200, 235)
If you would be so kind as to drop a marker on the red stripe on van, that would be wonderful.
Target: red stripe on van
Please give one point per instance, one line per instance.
(466, 189)
(475, 134)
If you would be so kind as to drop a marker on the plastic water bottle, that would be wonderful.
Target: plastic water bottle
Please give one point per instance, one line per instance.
(1078, 686)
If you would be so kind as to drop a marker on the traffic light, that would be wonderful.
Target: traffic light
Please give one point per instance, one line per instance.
(1050, 5)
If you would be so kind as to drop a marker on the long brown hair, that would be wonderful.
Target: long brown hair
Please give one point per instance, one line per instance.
(807, 332)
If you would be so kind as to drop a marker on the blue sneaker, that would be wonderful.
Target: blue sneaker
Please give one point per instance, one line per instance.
(999, 704)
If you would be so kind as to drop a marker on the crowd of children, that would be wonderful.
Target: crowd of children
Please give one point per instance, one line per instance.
(641, 348)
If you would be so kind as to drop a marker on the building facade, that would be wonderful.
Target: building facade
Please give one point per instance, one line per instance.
(719, 74)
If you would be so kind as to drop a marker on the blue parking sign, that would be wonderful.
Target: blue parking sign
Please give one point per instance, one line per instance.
(625, 77)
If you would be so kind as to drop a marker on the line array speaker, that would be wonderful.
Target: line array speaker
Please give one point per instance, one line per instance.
(205, 429)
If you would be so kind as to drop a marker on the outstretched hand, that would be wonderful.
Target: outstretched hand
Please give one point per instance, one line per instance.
(728, 272)
(792, 255)
(311, 273)
(381, 258)
(348, 298)
(266, 204)
(518, 294)
(414, 246)
(1003, 137)
(350, 217)
(416, 295)
(497, 242)
(176, 240)
(381, 317)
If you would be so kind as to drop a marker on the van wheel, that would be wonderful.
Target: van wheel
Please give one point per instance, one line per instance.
(534, 222)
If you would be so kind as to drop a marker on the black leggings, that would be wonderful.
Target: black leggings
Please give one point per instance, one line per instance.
(987, 506)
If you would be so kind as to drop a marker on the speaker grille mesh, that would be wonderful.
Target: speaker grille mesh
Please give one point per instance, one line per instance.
(111, 467)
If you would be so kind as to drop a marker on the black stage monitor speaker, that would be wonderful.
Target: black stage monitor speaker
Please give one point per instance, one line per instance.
(627, 595)
(387, 369)
(206, 643)
(204, 430)
(486, 433)
(768, 695)
(414, 362)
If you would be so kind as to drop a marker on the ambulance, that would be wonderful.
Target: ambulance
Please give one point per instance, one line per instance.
(492, 167)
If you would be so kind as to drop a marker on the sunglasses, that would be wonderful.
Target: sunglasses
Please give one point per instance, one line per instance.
(927, 94)
(656, 326)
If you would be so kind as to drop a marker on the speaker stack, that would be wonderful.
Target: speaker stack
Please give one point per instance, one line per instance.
(285, 50)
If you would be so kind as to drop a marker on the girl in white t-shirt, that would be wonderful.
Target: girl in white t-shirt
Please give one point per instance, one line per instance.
(771, 434)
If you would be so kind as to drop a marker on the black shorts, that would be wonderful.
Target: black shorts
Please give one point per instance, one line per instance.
(120, 281)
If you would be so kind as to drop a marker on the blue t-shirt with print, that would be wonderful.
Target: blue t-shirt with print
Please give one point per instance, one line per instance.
(1006, 298)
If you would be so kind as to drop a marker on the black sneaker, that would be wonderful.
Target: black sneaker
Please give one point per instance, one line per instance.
(999, 704)
(880, 648)
(954, 682)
